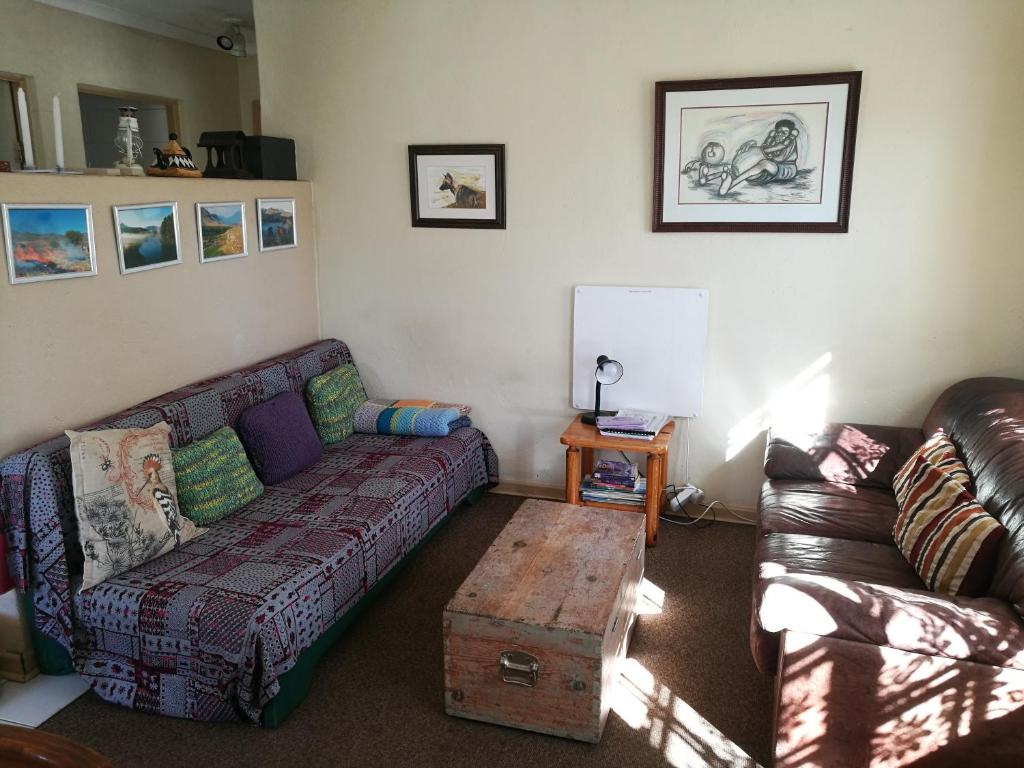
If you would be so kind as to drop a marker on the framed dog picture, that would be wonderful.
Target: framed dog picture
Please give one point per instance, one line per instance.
(755, 154)
(457, 185)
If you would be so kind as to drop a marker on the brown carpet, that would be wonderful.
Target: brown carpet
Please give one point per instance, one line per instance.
(693, 696)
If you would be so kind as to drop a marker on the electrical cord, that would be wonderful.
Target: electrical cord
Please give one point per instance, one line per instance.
(709, 509)
(686, 453)
(690, 521)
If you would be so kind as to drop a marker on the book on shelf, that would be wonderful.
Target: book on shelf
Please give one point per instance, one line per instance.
(615, 474)
(636, 425)
(589, 491)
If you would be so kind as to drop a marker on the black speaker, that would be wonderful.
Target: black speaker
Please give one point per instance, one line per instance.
(268, 157)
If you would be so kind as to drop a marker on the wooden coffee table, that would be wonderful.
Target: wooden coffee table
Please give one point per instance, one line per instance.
(581, 440)
(535, 635)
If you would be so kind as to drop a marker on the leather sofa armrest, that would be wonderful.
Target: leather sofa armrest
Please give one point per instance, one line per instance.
(857, 454)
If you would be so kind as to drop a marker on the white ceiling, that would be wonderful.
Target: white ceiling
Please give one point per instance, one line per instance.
(191, 21)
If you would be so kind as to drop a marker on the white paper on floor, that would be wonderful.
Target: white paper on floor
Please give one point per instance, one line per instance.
(36, 701)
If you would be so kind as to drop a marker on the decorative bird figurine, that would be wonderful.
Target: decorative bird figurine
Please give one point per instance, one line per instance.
(151, 466)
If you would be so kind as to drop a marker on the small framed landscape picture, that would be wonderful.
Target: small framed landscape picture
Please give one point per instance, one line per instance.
(48, 242)
(276, 223)
(457, 185)
(221, 228)
(755, 154)
(147, 236)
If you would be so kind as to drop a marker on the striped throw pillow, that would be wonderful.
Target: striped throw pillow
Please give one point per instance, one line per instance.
(938, 451)
(333, 398)
(214, 477)
(944, 532)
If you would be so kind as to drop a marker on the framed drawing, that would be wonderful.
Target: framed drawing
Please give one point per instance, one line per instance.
(147, 236)
(755, 154)
(457, 185)
(276, 223)
(221, 228)
(48, 242)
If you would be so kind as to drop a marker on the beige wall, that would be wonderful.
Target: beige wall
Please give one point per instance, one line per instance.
(60, 50)
(248, 90)
(925, 288)
(76, 350)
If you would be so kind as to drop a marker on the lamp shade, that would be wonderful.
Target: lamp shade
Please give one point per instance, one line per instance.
(608, 371)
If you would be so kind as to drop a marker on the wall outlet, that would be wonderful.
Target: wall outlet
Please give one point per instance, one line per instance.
(688, 494)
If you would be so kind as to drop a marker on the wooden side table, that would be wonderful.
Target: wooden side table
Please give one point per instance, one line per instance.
(581, 439)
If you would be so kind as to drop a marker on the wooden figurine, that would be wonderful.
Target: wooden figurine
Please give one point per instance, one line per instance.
(225, 155)
(173, 160)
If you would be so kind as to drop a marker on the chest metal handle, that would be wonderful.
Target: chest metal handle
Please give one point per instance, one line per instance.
(519, 668)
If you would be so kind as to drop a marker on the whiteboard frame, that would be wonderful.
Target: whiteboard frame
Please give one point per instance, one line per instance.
(658, 334)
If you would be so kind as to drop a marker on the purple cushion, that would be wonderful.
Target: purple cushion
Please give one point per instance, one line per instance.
(279, 437)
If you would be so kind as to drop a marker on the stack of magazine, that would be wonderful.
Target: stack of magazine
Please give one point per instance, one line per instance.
(616, 482)
(638, 425)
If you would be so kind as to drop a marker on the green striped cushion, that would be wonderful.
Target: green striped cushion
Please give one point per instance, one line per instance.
(333, 398)
(214, 477)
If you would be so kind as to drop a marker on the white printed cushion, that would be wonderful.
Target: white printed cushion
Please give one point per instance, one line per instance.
(125, 499)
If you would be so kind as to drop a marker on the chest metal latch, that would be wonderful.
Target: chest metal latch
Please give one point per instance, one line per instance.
(519, 668)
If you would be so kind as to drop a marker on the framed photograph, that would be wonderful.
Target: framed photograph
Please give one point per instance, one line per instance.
(48, 242)
(276, 223)
(147, 236)
(457, 185)
(221, 229)
(755, 154)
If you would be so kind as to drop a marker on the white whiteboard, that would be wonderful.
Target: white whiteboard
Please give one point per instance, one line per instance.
(659, 336)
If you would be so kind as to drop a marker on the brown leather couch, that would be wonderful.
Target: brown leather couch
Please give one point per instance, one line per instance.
(826, 563)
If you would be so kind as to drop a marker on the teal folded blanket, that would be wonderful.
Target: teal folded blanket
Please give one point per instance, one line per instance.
(399, 417)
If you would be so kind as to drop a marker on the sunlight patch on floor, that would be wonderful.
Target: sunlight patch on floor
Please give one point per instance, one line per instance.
(651, 600)
(678, 731)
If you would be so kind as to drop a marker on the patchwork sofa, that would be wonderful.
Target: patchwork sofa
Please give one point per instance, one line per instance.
(230, 625)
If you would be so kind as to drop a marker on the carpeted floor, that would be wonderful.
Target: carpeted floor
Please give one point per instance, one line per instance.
(690, 695)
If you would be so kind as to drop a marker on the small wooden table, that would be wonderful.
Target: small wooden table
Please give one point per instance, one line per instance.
(581, 440)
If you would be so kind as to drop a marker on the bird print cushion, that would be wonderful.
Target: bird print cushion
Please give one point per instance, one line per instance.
(125, 499)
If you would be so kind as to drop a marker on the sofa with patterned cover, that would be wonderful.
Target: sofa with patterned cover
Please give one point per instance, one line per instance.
(230, 625)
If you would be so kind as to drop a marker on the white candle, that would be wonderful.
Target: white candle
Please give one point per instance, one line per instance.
(58, 134)
(26, 134)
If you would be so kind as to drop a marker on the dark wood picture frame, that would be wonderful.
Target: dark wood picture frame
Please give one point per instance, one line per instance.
(842, 219)
(421, 219)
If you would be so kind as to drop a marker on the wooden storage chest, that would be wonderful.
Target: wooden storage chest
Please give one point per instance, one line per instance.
(534, 637)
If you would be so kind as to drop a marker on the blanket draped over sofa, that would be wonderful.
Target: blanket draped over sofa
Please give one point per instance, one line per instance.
(206, 631)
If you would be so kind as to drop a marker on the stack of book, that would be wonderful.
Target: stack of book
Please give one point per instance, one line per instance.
(632, 424)
(614, 481)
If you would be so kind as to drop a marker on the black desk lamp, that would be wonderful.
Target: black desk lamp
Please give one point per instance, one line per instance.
(608, 372)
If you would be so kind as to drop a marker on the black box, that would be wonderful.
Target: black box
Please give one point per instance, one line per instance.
(268, 157)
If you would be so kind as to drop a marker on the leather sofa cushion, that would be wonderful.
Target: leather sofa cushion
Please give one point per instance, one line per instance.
(859, 454)
(867, 592)
(833, 510)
